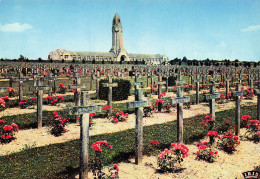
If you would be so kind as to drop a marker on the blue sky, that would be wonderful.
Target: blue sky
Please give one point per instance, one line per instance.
(197, 29)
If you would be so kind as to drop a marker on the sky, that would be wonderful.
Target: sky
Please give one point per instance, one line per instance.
(196, 29)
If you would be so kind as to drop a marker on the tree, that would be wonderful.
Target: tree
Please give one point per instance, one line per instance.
(21, 58)
(184, 59)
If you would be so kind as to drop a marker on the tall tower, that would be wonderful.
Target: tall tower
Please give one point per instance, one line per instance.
(117, 36)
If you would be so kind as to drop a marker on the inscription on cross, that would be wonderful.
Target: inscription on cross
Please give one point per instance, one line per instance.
(179, 100)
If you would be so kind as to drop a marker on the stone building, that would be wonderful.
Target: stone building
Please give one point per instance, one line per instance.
(116, 54)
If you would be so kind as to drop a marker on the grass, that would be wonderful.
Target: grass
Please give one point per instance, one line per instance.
(62, 160)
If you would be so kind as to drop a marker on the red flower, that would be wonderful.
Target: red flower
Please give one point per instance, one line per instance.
(258, 133)
(114, 109)
(92, 114)
(234, 125)
(107, 108)
(216, 152)
(24, 100)
(115, 166)
(198, 152)
(235, 137)
(74, 91)
(110, 146)
(21, 103)
(2, 121)
(211, 153)
(203, 124)
(202, 147)
(33, 99)
(48, 98)
(227, 122)
(115, 120)
(154, 142)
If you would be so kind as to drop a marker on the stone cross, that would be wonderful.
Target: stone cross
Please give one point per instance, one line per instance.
(109, 85)
(97, 84)
(138, 104)
(179, 100)
(136, 83)
(179, 80)
(10, 78)
(191, 77)
(167, 81)
(204, 77)
(212, 96)
(78, 90)
(151, 76)
(39, 89)
(34, 77)
(21, 80)
(197, 88)
(55, 78)
(227, 86)
(232, 78)
(257, 92)
(91, 81)
(77, 86)
(50, 79)
(84, 111)
(240, 78)
(237, 94)
(250, 80)
(160, 83)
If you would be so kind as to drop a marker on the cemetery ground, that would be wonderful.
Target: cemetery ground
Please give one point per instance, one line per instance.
(39, 154)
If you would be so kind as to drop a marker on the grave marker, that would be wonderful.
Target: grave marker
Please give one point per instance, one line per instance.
(257, 92)
(84, 111)
(109, 85)
(39, 90)
(138, 104)
(197, 88)
(160, 83)
(227, 87)
(21, 80)
(179, 100)
(237, 94)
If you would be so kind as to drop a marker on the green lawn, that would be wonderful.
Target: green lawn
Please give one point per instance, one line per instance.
(62, 160)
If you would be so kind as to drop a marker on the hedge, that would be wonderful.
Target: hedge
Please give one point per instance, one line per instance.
(121, 92)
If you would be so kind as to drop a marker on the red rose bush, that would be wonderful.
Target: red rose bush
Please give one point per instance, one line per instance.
(170, 159)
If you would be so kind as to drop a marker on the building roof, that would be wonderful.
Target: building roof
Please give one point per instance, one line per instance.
(140, 55)
(83, 53)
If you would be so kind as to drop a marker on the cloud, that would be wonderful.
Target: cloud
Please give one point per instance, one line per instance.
(251, 28)
(15, 27)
